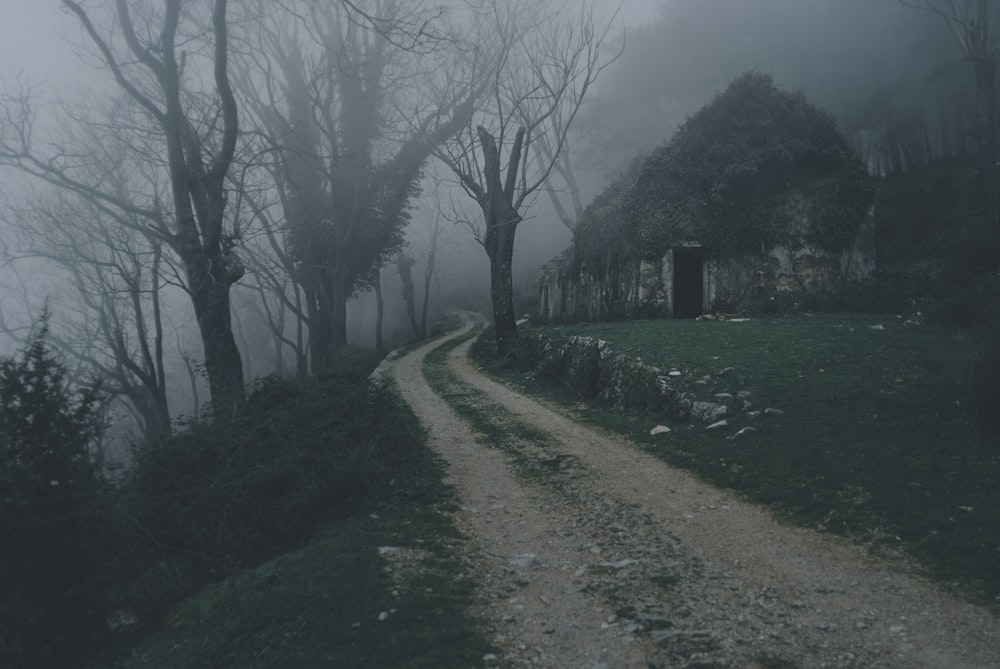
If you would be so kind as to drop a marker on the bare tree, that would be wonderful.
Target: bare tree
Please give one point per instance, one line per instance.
(192, 133)
(327, 92)
(111, 322)
(975, 27)
(539, 67)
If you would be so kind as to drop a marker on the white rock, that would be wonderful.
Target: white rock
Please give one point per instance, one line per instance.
(741, 432)
(659, 429)
(524, 560)
(620, 564)
(876, 327)
(383, 616)
(715, 426)
(774, 412)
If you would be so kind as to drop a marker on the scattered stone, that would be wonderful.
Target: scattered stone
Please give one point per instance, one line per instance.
(897, 628)
(665, 636)
(673, 373)
(525, 560)
(724, 396)
(489, 657)
(753, 414)
(770, 411)
(708, 412)
(387, 550)
(741, 432)
(383, 616)
(876, 327)
(717, 425)
(652, 621)
(659, 429)
(620, 564)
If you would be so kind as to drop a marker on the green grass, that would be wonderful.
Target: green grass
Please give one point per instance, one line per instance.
(319, 606)
(876, 440)
(531, 452)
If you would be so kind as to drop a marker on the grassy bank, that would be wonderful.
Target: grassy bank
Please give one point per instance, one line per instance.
(337, 512)
(875, 437)
(374, 590)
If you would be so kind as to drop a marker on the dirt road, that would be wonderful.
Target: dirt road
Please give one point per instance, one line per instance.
(631, 563)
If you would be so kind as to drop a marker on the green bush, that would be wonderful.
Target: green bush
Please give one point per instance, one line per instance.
(228, 496)
(55, 526)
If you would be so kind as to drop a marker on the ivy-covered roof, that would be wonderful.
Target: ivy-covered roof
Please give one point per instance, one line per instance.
(755, 168)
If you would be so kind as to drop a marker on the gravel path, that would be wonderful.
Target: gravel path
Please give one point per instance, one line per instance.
(631, 563)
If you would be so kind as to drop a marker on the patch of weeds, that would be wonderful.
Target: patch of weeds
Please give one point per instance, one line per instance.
(877, 439)
(531, 451)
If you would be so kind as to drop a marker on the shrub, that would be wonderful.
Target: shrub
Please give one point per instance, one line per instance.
(226, 496)
(54, 524)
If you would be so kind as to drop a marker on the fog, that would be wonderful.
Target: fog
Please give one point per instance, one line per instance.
(882, 69)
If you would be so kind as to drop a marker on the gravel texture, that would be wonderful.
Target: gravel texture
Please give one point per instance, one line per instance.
(630, 563)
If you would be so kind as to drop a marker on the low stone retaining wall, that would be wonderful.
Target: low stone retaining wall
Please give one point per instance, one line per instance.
(591, 369)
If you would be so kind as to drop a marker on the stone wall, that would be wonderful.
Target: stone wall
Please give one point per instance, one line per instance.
(628, 288)
(591, 369)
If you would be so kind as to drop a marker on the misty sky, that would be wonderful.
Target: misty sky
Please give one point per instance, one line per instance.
(33, 37)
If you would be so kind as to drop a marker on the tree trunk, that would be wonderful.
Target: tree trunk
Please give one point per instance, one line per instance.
(223, 364)
(428, 275)
(986, 146)
(500, 249)
(338, 317)
(379, 311)
(404, 265)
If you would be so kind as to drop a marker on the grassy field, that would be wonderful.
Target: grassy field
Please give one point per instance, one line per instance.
(874, 440)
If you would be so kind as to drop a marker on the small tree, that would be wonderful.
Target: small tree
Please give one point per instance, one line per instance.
(537, 69)
(51, 527)
(975, 27)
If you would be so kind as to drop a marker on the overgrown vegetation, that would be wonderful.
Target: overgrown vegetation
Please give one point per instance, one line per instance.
(877, 438)
(54, 517)
(88, 566)
(726, 176)
(529, 450)
(226, 496)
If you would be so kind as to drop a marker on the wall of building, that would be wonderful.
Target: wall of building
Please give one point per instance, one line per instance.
(625, 288)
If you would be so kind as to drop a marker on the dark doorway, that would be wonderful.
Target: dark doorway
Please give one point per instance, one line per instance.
(689, 288)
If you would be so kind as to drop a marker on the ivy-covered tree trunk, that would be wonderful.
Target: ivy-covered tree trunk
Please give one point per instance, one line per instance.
(404, 265)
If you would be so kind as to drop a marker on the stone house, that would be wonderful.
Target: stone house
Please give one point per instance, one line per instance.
(756, 196)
